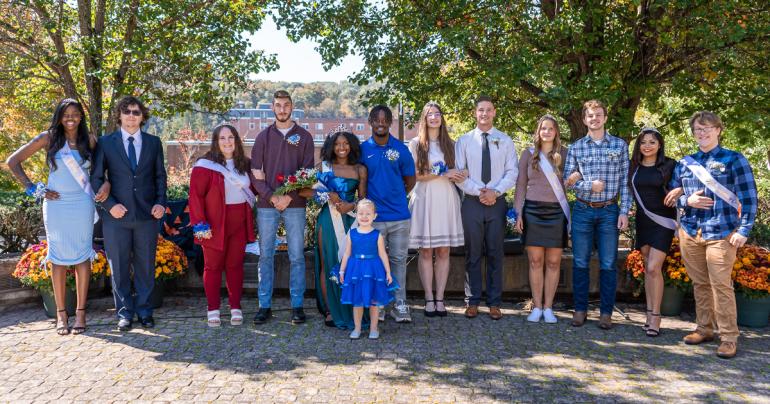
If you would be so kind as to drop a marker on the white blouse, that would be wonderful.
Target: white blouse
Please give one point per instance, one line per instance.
(233, 194)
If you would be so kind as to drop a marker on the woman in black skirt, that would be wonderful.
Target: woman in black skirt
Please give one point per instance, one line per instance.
(649, 175)
(542, 220)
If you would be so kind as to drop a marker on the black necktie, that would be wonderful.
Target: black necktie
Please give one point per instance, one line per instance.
(131, 153)
(486, 160)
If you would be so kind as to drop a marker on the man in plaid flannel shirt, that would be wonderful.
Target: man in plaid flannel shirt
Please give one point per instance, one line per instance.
(712, 229)
(597, 170)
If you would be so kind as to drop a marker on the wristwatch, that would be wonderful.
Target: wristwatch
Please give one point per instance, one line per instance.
(498, 193)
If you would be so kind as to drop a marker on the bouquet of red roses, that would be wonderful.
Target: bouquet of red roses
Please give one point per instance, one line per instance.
(303, 178)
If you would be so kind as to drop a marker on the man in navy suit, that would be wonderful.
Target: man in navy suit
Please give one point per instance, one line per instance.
(132, 161)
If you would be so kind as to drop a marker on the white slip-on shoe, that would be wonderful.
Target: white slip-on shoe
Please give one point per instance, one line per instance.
(535, 315)
(549, 317)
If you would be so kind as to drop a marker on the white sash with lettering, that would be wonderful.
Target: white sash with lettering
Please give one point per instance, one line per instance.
(553, 180)
(339, 227)
(712, 184)
(229, 177)
(661, 220)
(77, 173)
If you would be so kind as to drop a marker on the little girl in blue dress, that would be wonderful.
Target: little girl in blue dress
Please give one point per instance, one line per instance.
(365, 270)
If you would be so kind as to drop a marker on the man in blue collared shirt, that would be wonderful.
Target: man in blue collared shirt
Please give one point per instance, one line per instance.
(600, 161)
(391, 177)
(712, 229)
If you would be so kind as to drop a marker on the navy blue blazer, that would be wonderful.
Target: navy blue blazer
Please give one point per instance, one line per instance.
(139, 191)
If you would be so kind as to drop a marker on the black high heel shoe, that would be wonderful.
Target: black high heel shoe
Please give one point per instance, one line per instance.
(651, 332)
(329, 323)
(440, 313)
(64, 329)
(79, 330)
(431, 313)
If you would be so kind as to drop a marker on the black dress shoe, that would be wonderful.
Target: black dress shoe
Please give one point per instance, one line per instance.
(262, 316)
(297, 315)
(124, 324)
(147, 322)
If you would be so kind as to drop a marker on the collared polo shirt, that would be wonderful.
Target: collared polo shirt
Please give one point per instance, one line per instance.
(386, 166)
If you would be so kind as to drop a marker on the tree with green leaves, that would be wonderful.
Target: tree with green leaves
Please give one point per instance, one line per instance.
(178, 55)
(549, 55)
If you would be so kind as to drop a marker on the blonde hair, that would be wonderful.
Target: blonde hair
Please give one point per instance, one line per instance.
(554, 156)
(706, 117)
(593, 104)
(366, 202)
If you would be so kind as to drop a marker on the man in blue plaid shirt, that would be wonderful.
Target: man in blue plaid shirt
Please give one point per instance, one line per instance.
(597, 170)
(714, 224)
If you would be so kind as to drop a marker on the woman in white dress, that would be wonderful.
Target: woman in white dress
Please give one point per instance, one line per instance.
(435, 205)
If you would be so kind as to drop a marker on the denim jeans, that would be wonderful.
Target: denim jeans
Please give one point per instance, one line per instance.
(396, 235)
(267, 225)
(594, 226)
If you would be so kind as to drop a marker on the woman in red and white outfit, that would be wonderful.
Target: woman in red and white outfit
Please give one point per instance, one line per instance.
(221, 197)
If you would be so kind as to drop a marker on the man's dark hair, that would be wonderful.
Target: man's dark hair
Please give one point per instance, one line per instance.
(483, 97)
(282, 94)
(376, 111)
(127, 101)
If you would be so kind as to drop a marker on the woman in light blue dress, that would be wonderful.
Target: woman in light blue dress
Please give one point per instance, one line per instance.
(68, 208)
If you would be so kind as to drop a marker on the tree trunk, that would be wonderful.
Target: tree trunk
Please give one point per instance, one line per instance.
(577, 128)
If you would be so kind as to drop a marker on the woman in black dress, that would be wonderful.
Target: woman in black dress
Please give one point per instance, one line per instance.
(649, 175)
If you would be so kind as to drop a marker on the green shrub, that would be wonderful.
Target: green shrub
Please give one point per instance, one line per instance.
(21, 220)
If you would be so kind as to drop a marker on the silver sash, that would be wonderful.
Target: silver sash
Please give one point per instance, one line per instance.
(339, 227)
(78, 174)
(553, 180)
(712, 184)
(229, 177)
(661, 220)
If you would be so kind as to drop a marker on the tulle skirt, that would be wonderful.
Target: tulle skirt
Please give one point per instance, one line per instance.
(366, 283)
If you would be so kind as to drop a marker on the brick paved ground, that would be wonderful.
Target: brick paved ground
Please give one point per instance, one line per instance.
(432, 360)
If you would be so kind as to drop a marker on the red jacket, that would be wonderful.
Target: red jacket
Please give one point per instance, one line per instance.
(207, 204)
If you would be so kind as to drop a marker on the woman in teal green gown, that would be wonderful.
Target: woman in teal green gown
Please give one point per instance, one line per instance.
(344, 180)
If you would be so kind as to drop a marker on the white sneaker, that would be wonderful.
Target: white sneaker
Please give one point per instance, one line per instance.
(534, 316)
(548, 316)
(400, 312)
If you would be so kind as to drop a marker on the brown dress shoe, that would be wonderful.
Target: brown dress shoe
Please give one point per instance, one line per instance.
(579, 318)
(605, 321)
(727, 350)
(495, 313)
(696, 338)
(471, 311)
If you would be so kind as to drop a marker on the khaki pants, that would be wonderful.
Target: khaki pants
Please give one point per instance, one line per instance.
(709, 264)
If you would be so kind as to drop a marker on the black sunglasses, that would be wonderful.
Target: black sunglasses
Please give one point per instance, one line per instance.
(134, 112)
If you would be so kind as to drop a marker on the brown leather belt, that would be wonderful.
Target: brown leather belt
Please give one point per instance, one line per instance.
(598, 204)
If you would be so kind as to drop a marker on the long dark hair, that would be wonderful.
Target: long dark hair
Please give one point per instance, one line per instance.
(240, 161)
(445, 142)
(663, 164)
(327, 150)
(56, 133)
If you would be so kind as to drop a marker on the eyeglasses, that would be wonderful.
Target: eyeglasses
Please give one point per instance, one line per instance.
(704, 129)
(434, 115)
(134, 112)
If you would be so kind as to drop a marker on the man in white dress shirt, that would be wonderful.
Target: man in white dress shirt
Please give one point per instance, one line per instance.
(490, 158)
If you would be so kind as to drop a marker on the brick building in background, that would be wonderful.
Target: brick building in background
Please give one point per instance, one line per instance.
(251, 121)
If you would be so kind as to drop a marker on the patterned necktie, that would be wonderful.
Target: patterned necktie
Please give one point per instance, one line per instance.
(131, 153)
(486, 160)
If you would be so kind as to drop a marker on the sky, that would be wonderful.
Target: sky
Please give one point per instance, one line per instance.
(299, 62)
